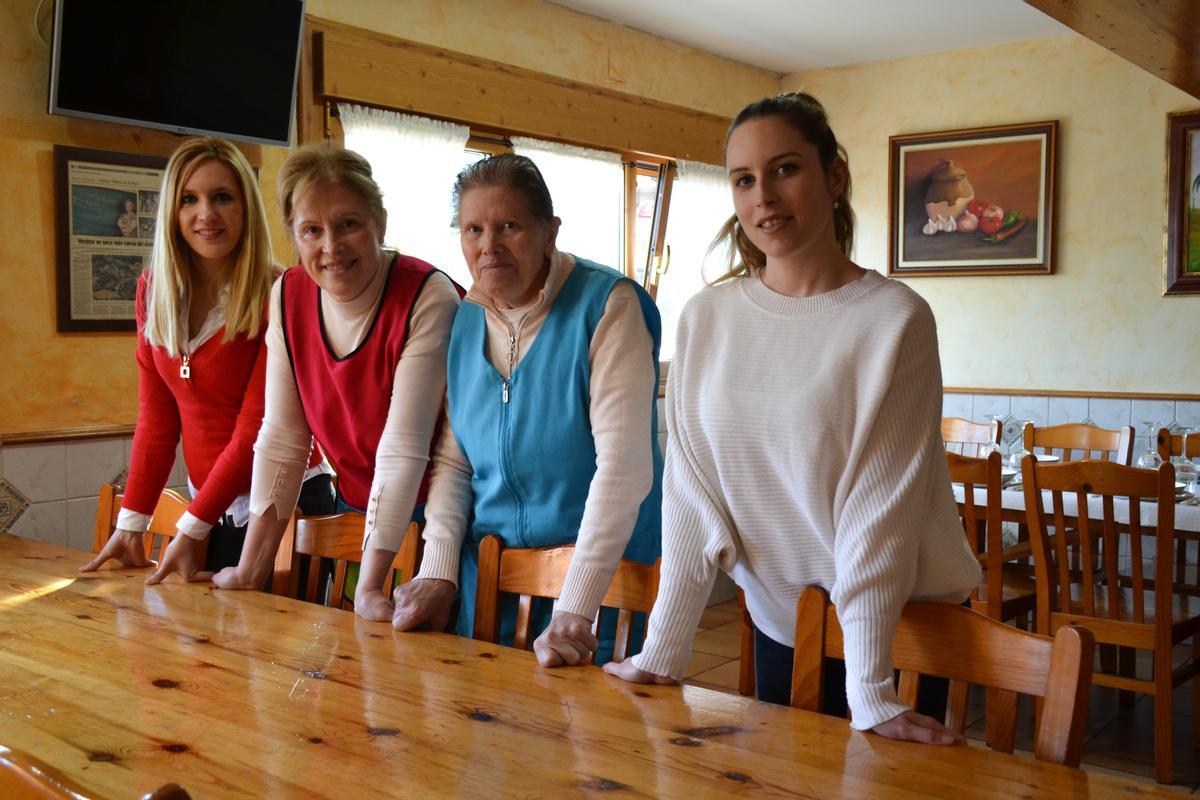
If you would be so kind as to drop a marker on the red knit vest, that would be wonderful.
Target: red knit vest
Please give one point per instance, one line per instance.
(346, 400)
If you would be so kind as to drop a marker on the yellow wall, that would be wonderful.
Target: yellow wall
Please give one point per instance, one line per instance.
(1100, 322)
(52, 381)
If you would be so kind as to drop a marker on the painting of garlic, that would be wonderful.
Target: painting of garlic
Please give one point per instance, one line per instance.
(974, 201)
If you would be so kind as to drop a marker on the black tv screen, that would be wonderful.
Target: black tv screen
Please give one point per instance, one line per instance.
(220, 67)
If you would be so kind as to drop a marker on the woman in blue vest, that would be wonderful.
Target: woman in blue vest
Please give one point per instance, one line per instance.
(552, 430)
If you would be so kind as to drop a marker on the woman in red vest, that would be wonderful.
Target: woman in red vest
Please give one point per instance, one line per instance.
(357, 360)
(200, 310)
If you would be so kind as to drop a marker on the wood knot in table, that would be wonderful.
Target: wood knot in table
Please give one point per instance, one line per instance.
(640, 693)
(175, 747)
(314, 673)
(602, 785)
(739, 777)
(83, 616)
(710, 732)
(488, 655)
(315, 739)
(383, 731)
(479, 715)
(101, 757)
(165, 683)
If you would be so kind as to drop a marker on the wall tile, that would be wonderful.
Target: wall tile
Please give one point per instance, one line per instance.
(957, 405)
(127, 447)
(1067, 409)
(1161, 411)
(46, 522)
(1109, 412)
(1035, 409)
(986, 406)
(81, 522)
(92, 463)
(12, 505)
(1187, 413)
(38, 471)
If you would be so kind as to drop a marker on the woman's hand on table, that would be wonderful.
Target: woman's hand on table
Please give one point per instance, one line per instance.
(627, 671)
(183, 556)
(913, 727)
(236, 578)
(373, 604)
(567, 640)
(422, 603)
(128, 547)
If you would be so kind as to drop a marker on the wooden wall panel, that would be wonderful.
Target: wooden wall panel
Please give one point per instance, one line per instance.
(1161, 37)
(360, 66)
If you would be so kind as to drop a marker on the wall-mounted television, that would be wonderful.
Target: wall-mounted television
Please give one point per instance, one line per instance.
(218, 67)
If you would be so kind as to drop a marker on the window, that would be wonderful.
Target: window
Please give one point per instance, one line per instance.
(650, 218)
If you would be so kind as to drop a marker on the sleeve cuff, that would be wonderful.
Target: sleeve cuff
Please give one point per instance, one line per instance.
(872, 704)
(194, 527)
(277, 485)
(659, 662)
(133, 521)
(583, 590)
(440, 561)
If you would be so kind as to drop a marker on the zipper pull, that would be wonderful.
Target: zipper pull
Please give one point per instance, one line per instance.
(185, 368)
(505, 395)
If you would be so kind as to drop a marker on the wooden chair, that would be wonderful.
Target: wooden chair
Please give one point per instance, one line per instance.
(1169, 446)
(746, 679)
(338, 538)
(968, 436)
(1129, 611)
(1011, 583)
(1076, 437)
(953, 642)
(540, 572)
(171, 506)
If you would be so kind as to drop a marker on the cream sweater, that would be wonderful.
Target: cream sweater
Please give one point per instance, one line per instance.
(804, 448)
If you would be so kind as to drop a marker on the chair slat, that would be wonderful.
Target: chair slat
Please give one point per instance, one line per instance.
(338, 538)
(524, 611)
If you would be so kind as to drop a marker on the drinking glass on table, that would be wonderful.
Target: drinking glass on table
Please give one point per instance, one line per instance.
(1016, 450)
(1150, 459)
(1186, 471)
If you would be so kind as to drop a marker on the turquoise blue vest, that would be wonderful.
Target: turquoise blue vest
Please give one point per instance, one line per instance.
(529, 439)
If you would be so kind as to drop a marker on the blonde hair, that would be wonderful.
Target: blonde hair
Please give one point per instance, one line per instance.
(170, 274)
(328, 164)
(806, 114)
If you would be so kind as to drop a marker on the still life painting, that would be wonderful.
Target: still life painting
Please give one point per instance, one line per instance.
(978, 201)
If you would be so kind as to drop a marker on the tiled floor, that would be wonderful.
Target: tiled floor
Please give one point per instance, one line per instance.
(1120, 738)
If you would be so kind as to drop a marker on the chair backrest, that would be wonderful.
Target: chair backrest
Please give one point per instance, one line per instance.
(1171, 444)
(982, 524)
(954, 642)
(171, 506)
(339, 538)
(540, 572)
(1092, 542)
(1076, 440)
(965, 437)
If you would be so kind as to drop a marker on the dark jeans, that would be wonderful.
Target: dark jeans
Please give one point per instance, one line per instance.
(773, 680)
(226, 540)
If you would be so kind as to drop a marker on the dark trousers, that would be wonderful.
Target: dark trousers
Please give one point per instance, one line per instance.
(773, 680)
(226, 540)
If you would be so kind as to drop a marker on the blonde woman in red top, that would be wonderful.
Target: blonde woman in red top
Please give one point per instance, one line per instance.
(201, 312)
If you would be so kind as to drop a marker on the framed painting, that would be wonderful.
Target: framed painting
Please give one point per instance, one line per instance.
(105, 210)
(978, 201)
(1181, 274)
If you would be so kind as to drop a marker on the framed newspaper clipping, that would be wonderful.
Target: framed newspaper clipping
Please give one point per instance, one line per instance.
(106, 205)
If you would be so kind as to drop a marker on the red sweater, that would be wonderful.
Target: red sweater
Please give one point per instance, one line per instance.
(219, 410)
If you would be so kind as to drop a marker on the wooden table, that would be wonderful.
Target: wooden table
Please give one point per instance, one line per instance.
(124, 687)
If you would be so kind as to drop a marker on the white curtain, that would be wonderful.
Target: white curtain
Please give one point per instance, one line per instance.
(588, 190)
(700, 204)
(414, 160)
